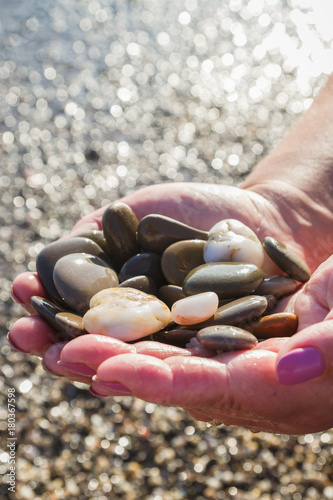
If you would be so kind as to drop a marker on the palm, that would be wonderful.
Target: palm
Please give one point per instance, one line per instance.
(238, 388)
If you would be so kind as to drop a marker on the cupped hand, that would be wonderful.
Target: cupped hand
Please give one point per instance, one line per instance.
(238, 388)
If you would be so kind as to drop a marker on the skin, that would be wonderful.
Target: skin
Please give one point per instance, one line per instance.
(288, 196)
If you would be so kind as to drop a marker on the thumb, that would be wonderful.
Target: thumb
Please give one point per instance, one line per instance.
(307, 355)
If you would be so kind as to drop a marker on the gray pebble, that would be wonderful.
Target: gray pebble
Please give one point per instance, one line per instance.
(226, 338)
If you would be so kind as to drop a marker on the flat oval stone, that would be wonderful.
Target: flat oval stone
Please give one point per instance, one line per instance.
(78, 277)
(126, 314)
(120, 226)
(287, 260)
(169, 294)
(194, 309)
(226, 279)
(97, 236)
(226, 338)
(147, 264)
(232, 241)
(48, 257)
(274, 325)
(180, 258)
(67, 324)
(277, 285)
(157, 232)
(237, 311)
(144, 283)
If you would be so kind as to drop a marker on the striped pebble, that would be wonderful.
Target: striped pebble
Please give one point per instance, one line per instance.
(194, 309)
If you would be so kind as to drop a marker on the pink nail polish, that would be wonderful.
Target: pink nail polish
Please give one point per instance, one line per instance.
(11, 343)
(110, 388)
(300, 365)
(78, 368)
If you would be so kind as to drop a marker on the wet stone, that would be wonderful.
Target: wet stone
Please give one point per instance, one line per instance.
(226, 279)
(274, 325)
(237, 311)
(180, 258)
(277, 285)
(194, 309)
(287, 260)
(158, 232)
(232, 241)
(144, 283)
(147, 264)
(226, 338)
(48, 257)
(67, 324)
(78, 277)
(97, 236)
(120, 226)
(169, 294)
(126, 314)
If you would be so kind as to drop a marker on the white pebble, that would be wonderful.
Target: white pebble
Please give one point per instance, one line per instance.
(125, 314)
(231, 241)
(194, 309)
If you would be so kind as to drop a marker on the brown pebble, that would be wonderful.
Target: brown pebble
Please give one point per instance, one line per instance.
(144, 283)
(146, 264)
(277, 285)
(273, 325)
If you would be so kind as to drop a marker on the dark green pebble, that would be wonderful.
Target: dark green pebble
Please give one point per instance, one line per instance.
(226, 279)
(180, 258)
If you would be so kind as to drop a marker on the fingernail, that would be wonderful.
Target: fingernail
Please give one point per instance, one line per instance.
(11, 343)
(15, 297)
(78, 368)
(300, 365)
(109, 388)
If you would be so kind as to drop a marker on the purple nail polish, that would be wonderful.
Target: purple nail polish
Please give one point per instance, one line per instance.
(106, 388)
(300, 365)
(78, 368)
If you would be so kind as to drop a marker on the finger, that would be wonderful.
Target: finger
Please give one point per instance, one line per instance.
(31, 335)
(307, 355)
(90, 351)
(189, 381)
(51, 363)
(24, 286)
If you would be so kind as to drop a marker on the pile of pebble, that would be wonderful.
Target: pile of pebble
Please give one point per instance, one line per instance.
(164, 280)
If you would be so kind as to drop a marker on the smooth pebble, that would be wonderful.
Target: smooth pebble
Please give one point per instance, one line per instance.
(126, 314)
(227, 279)
(287, 260)
(232, 241)
(226, 338)
(180, 258)
(194, 309)
(78, 277)
(157, 232)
